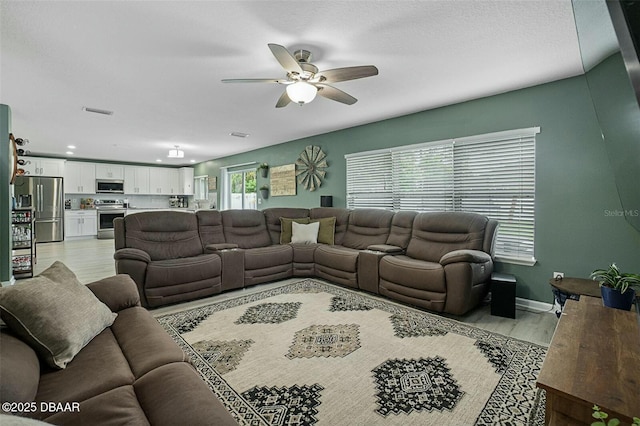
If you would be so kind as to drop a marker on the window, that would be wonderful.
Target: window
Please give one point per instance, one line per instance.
(491, 174)
(201, 187)
(239, 188)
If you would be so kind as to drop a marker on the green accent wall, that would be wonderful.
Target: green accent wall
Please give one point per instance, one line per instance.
(575, 184)
(5, 195)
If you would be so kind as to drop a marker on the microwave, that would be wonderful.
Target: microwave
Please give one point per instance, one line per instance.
(109, 186)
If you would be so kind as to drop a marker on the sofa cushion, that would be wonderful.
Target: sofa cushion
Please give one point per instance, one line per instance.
(342, 218)
(436, 234)
(367, 227)
(118, 406)
(194, 404)
(272, 217)
(179, 271)
(286, 228)
(401, 226)
(266, 257)
(327, 231)
(246, 228)
(413, 273)
(337, 257)
(99, 367)
(305, 233)
(19, 369)
(54, 313)
(210, 227)
(163, 234)
(147, 345)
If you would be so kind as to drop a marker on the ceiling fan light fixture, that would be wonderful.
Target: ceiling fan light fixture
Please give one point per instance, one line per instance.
(176, 153)
(302, 92)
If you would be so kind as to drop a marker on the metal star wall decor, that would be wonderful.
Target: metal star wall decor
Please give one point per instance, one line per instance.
(310, 167)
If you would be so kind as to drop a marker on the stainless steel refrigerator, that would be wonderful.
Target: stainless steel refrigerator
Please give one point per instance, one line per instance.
(46, 196)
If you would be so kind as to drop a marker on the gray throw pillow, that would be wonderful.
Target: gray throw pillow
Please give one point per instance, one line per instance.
(54, 313)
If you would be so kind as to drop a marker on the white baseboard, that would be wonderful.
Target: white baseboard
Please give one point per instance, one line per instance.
(534, 305)
(12, 281)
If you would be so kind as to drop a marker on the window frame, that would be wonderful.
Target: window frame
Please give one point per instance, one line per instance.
(226, 182)
(514, 183)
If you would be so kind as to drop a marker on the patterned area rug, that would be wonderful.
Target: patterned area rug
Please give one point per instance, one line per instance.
(312, 353)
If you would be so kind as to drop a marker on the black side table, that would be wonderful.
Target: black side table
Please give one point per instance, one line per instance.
(503, 295)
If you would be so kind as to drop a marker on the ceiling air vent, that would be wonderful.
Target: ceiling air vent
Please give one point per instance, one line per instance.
(97, 111)
(239, 134)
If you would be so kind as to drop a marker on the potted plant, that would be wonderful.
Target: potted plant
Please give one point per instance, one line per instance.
(602, 416)
(264, 168)
(264, 191)
(617, 288)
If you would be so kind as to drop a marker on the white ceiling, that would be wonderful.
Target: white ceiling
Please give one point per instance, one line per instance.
(158, 66)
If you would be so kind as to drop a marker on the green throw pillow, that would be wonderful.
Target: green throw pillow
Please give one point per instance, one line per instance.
(286, 230)
(54, 313)
(326, 234)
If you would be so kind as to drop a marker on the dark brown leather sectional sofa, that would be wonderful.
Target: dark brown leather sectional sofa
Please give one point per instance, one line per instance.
(132, 373)
(438, 261)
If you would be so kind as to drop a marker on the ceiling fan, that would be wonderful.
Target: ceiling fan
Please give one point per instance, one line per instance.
(304, 81)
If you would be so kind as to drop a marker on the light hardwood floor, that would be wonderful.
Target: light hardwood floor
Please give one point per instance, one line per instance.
(92, 259)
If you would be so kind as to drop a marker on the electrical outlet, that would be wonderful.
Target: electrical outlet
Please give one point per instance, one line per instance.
(558, 275)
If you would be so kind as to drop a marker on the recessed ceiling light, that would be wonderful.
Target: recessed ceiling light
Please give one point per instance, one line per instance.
(158, 161)
(239, 134)
(69, 153)
(97, 110)
(71, 146)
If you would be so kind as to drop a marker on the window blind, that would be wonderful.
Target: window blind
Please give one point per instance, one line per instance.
(491, 174)
(496, 178)
(369, 180)
(423, 178)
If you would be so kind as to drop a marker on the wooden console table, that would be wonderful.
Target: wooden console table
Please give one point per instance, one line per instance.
(593, 359)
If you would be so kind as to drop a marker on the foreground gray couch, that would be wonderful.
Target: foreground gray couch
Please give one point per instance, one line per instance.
(438, 261)
(132, 373)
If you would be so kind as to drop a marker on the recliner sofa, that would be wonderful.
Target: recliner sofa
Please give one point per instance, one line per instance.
(163, 253)
(438, 261)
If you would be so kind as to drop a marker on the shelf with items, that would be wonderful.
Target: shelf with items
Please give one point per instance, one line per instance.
(23, 239)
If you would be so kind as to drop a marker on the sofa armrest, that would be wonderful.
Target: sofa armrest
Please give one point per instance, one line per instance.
(117, 292)
(133, 254)
(468, 256)
(213, 248)
(386, 248)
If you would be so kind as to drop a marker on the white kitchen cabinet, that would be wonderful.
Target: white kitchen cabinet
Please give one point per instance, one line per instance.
(158, 180)
(109, 171)
(164, 181)
(136, 180)
(79, 178)
(186, 181)
(173, 181)
(37, 166)
(80, 223)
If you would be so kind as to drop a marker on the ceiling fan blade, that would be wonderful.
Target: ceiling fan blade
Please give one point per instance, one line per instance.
(334, 94)
(283, 101)
(348, 73)
(285, 58)
(252, 80)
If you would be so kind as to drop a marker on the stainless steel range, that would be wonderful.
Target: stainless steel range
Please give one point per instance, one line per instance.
(107, 211)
